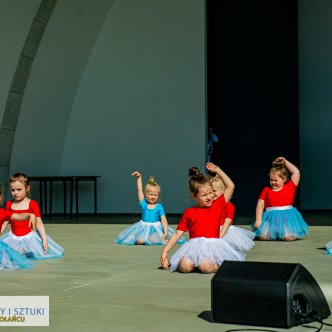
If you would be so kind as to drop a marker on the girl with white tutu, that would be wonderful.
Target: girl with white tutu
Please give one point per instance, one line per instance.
(22, 238)
(205, 250)
(239, 238)
(9, 258)
(153, 228)
(280, 220)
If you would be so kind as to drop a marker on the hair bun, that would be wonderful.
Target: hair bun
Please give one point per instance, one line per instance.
(152, 180)
(194, 173)
(278, 164)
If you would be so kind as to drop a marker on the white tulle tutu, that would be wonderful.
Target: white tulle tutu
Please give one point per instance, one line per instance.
(328, 247)
(12, 260)
(204, 249)
(239, 238)
(149, 233)
(31, 245)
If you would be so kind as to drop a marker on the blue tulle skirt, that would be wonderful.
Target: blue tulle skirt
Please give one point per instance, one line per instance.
(12, 260)
(239, 238)
(328, 247)
(280, 222)
(31, 245)
(202, 249)
(149, 233)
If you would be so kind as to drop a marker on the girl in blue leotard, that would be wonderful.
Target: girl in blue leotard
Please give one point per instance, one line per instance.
(153, 228)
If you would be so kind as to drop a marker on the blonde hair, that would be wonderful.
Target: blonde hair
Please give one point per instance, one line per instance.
(21, 177)
(217, 182)
(151, 183)
(279, 167)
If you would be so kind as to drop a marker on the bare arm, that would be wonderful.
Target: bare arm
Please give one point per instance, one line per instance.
(259, 212)
(293, 170)
(4, 226)
(230, 186)
(224, 229)
(24, 216)
(172, 241)
(140, 193)
(164, 223)
(42, 232)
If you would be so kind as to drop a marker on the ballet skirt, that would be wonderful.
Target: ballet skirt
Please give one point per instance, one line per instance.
(328, 247)
(239, 238)
(31, 245)
(12, 260)
(280, 222)
(202, 249)
(148, 230)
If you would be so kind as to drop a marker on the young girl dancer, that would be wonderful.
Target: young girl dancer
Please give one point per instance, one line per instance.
(328, 247)
(280, 220)
(239, 238)
(205, 249)
(9, 258)
(153, 228)
(33, 244)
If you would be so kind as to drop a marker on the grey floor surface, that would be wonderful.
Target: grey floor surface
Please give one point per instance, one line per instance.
(100, 286)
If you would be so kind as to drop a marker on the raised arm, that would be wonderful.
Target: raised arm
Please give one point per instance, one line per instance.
(230, 186)
(293, 170)
(140, 193)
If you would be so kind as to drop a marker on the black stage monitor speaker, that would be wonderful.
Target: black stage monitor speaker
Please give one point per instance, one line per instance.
(266, 294)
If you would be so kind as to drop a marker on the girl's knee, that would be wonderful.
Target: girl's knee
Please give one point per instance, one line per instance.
(186, 266)
(264, 238)
(290, 238)
(208, 267)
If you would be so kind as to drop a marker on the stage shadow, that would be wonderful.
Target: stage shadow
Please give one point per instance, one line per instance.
(206, 315)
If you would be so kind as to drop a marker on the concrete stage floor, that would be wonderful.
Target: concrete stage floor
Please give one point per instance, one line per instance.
(100, 286)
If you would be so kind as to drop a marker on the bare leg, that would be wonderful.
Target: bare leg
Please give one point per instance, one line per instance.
(208, 267)
(289, 238)
(186, 266)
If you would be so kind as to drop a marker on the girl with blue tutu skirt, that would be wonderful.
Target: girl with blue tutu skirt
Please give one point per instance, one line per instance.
(9, 258)
(280, 220)
(22, 238)
(239, 238)
(205, 250)
(153, 228)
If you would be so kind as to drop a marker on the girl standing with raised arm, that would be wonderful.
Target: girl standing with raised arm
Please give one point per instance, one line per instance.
(153, 228)
(280, 220)
(205, 250)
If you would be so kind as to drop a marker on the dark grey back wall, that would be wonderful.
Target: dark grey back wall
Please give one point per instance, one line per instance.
(253, 90)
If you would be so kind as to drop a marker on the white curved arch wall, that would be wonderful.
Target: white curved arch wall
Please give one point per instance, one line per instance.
(117, 87)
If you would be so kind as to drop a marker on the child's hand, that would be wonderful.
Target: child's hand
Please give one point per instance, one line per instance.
(32, 221)
(257, 224)
(165, 238)
(137, 174)
(280, 159)
(164, 260)
(45, 246)
(211, 167)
